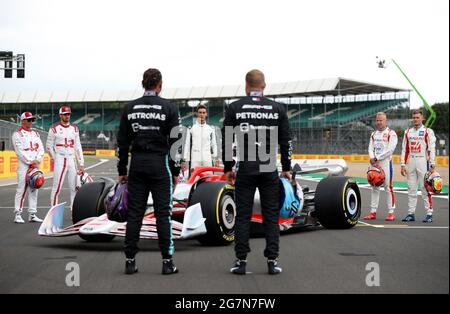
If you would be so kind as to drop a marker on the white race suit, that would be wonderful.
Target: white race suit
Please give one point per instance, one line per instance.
(63, 145)
(419, 154)
(201, 145)
(382, 146)
(28, 147)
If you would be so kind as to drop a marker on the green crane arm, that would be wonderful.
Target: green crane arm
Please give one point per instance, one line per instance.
(432, 118)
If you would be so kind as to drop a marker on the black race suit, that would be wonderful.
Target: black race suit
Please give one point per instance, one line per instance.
(145, 125)
(252, 113)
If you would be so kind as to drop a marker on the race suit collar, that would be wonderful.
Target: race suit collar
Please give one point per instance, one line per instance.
(256, 93)
(150, 93)
(64, 125)
(418, 127)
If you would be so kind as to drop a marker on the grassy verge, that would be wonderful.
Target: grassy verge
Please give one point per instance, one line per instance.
(364, 181)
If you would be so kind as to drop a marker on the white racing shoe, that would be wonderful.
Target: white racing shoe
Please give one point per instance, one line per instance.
(34, 218)
(18, 219)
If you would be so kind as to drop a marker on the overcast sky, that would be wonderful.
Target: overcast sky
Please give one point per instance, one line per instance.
(106, 45)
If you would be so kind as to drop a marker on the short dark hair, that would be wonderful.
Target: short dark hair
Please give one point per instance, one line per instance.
(151, 79)
(417, 111)
(200, 106)
(255, 78)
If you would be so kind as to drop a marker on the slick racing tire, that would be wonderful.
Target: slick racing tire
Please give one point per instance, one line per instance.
(338, 203)
(219, 209)
(88, 202)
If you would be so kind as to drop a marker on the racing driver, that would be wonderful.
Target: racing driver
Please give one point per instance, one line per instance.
(63, 145)
(259, 125)
(145, 125)
(29, 150)
(419, 151)
(381, 148)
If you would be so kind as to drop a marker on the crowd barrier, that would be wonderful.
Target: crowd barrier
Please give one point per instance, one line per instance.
(9, 163)
(99, 152)
(105, 152)
(9, 160)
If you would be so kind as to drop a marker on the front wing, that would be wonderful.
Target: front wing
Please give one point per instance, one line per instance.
(193, 225)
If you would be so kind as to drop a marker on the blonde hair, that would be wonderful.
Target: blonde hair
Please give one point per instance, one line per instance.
(255, 78)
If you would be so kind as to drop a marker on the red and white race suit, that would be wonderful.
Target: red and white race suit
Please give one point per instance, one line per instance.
(63, 145)
(419, 153)
(381, 146)
(28, 147)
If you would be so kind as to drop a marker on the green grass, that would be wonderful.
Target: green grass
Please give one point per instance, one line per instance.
(364, 181)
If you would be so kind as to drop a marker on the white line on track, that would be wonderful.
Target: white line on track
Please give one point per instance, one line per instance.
(401, 226)
(402, 191)
(102, 161)
(12, 207)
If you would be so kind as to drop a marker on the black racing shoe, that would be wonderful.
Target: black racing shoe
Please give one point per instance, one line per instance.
(409, 217)
(239, 267)
(130, 266)
(169, 267)
(428, 218)
(272, 267)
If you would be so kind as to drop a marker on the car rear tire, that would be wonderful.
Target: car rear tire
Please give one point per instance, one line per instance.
(88, 202)
(337, 203)
(219, 209)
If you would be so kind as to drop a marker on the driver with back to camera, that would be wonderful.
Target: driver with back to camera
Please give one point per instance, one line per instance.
(146, 124)
(259, 116)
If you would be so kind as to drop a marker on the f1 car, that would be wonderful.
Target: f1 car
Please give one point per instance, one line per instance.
(204, 207)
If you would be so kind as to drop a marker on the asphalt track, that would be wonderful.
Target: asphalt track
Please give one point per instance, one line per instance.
(412, 258)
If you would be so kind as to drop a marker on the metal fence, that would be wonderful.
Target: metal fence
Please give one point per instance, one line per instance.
(335, 140)
(349, 139)
(98, 139)
(91, 140)
(7, 129)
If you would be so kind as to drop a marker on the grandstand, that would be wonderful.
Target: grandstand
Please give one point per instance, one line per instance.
(333, 115)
